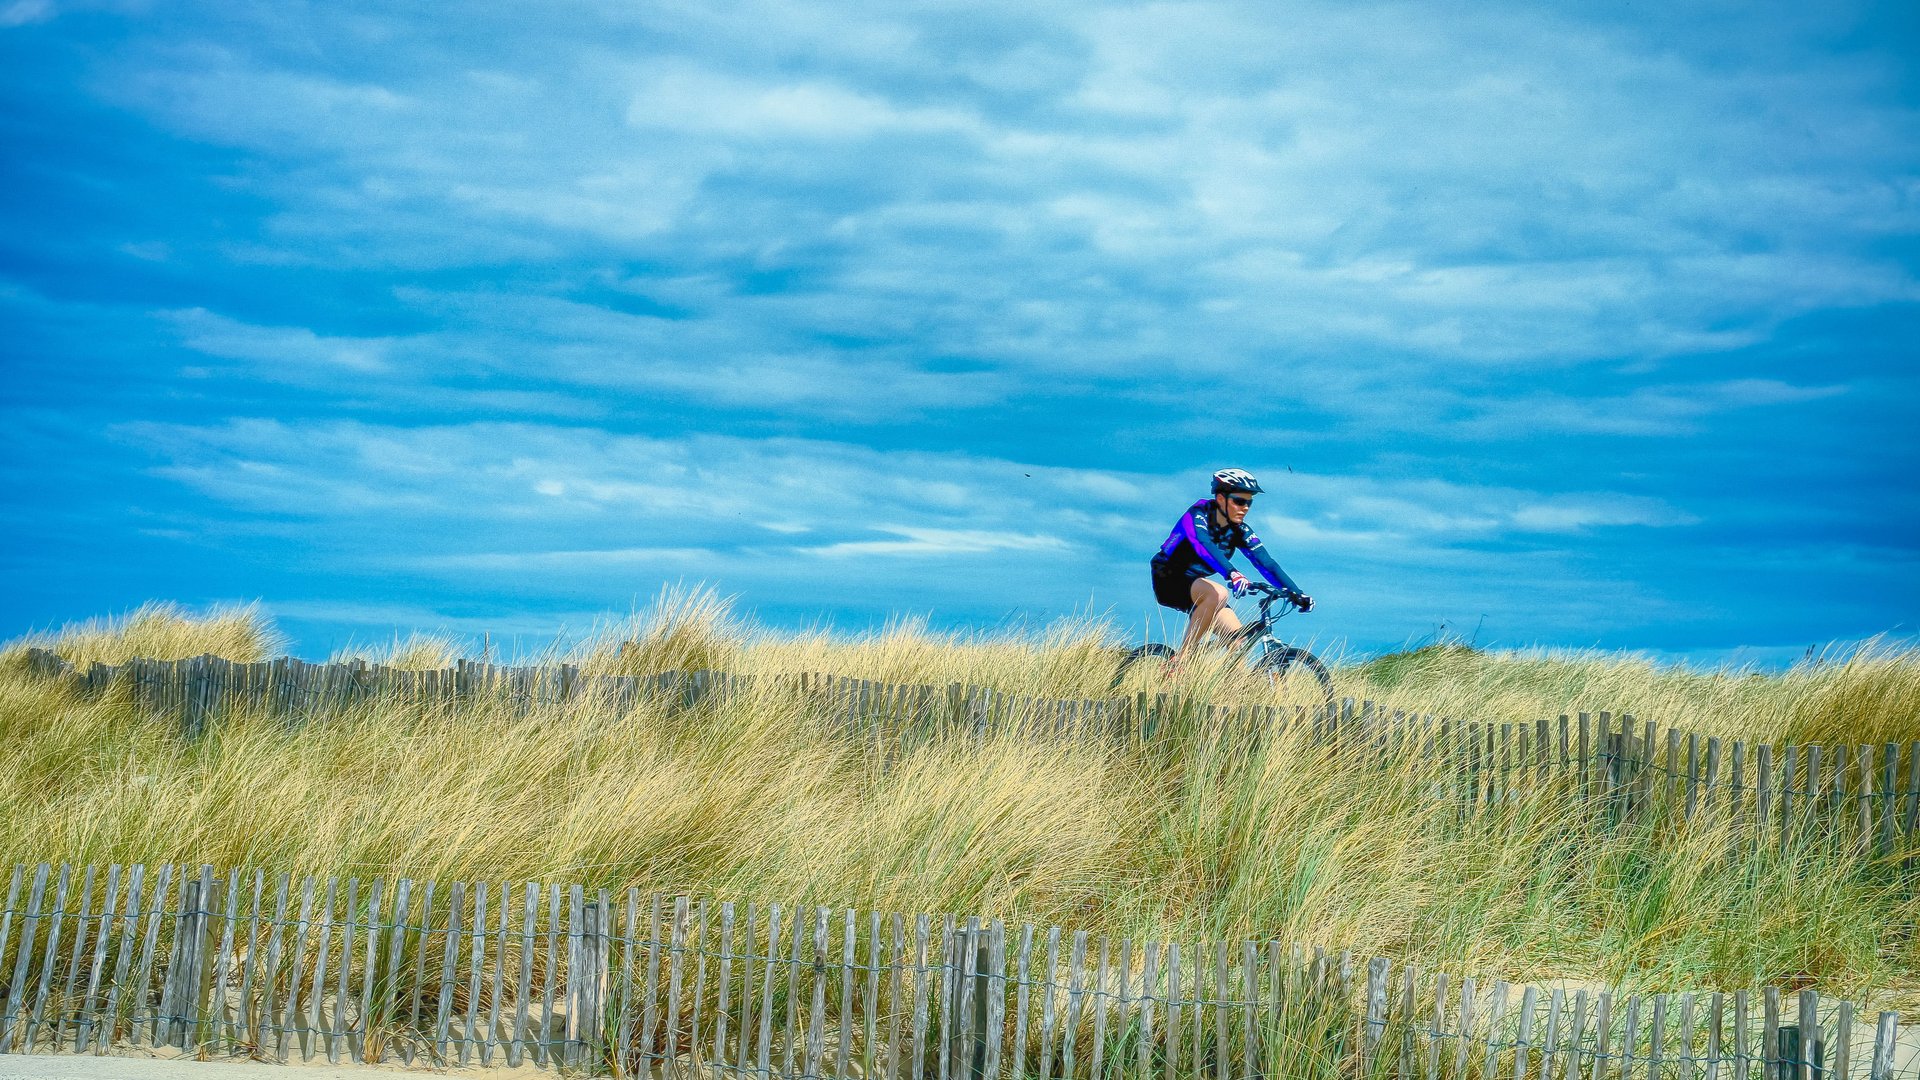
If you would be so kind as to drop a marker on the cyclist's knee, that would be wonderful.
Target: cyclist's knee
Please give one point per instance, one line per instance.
(1208, 593)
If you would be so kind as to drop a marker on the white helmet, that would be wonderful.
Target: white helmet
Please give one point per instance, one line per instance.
(1235, 480)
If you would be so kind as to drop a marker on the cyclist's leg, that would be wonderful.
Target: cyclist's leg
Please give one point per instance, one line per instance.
(1209, 605)
(1226, 626)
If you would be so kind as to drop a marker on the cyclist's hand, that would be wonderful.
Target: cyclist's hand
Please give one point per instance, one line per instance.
(1237, 585)
(1302, 601)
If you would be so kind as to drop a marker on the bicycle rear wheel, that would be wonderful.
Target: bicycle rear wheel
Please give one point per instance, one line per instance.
(1285, 660)
(1151, 650)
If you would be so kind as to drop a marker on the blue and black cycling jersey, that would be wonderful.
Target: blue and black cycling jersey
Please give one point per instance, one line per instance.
(1197, 548)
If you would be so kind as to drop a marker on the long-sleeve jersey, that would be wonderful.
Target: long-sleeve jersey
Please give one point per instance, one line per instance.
(1197, 547)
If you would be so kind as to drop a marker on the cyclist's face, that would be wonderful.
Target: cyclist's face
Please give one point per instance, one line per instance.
(1235, 512)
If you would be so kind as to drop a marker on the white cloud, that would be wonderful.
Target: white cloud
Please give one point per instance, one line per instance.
(692, 99)
(274, 348)
(26, 12)
(807, 497)
(936, 542)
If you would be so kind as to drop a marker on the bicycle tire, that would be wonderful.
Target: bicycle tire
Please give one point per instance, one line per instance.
(1134, 656)
(1278, 663)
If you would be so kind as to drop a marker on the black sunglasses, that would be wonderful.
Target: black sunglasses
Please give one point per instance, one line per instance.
(1240, 500)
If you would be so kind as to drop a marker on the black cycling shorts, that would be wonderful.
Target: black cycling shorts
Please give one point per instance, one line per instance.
(1174, 589)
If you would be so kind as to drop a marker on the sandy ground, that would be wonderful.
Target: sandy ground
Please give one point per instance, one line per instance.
(174, 1065)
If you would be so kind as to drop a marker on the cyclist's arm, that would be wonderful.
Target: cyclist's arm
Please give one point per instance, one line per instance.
(1194, 526)
(1257, 554)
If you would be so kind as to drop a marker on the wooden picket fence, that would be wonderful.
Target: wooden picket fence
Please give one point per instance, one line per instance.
(564, 977)
(1866, 797)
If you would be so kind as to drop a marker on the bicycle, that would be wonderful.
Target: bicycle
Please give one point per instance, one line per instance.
(1277, 659)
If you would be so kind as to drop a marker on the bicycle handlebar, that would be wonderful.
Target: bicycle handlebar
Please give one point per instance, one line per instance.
(1272, 592)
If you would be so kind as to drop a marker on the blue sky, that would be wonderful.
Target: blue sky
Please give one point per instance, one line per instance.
(1582, 327)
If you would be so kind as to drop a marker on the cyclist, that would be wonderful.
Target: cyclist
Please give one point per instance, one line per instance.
(1202, 545)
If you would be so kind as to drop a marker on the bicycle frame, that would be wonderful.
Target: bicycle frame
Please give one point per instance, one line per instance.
(1260, 630)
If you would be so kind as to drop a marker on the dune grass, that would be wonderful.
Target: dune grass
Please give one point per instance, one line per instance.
(1187, 837)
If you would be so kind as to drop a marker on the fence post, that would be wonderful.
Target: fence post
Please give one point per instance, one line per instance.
(1376, 1021)
(965, 1032)
(1883, 1042)
(187, 965)
(1809, 1058)
(587, 984)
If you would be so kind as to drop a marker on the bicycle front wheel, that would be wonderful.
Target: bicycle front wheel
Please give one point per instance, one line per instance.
(1279, 662)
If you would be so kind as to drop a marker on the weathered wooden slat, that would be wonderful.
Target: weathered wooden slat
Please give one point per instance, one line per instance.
(1436, 1035)
(676, 969)
(90, 1002)
(768, 983)
(1770, 1035)
(1910, 822)
(1250, 1042)
(385, 979)
(697, 942)
(1576, 1038)
(723, 982)
(1222, 1011)
(1496, 1010)
(1076, 975)
(749, 930)
(549, 1052)
(50, 960)
(1656, 1037)
(1149, 989)
(586, 979)
(476, 968)
(1863, 799)
(83, 919)
(335, 1028)
(650, 1019)
(630, 943)
(289, 1021)
(1809, 1028)
(529, 915)
(6, 935)
(1889, 795)
(1630, 1037)
(312, 1028)
(23, 959)
(1463, 1027)
(946, 991)
(359, 1036)
(1741, 1042)
(1715, 1023)
(993, 983)
(843, 1053)
(417, 1035)
(1523, 1033)
(1602, 1034)
(1840, 1057)
(1374, 1022)
(1683, 1035)
(1550, 1042)
(194, 936)
(920, 994)
(896, 979)
(254, 1017)
(1763, 796)
(1050, 979)
(1171, 1058)
(1886, 1036)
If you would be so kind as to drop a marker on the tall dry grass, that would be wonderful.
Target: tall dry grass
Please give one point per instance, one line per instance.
(1186, 837)
(162, 631)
